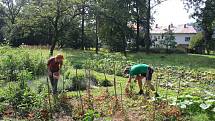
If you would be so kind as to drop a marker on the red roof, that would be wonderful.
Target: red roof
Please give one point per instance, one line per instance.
(180, 29)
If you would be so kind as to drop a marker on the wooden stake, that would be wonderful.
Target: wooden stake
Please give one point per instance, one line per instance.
(167, 86)
(121, 94)
(179, 87)
(156, 90)
(49, 97)
(63, 85)
(80, 97)
(114, 79)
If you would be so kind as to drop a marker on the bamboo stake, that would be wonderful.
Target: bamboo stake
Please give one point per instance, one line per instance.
(156, 90)
(80, 97)
(89, 88)
(49, 97)
(179, 87)
(167, 86)
(121, 94)
(115, 81)
(63, 84)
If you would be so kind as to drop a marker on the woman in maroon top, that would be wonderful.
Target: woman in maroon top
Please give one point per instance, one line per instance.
(54, 64)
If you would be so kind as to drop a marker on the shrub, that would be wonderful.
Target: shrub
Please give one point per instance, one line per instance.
(13, 62)
(9, 67)
(169, 41)
(163, 51)
(196, 43)
(106, 83)
(21, 97)
(80, 82)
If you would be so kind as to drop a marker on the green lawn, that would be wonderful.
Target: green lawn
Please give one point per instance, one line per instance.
(195, 61)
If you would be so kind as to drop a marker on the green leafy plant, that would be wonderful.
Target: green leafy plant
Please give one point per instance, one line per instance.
(106, 83)
(90, 115)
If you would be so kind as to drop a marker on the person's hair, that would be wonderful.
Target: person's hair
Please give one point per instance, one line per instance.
(59, 56)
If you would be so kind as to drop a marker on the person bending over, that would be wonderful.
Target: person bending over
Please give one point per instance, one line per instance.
(54, 65)
(139, 72)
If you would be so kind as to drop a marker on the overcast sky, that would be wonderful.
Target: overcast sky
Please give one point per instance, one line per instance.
(172, 11)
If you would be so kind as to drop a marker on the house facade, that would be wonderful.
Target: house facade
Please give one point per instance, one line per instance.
(182, 33)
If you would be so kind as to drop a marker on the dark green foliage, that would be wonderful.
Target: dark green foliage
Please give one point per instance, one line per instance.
(21, 97)
(2, 24)
(206, 18)
(79, 82)
(78, 66)
(113, 25)
(169, 41)
(164, 51)
(13, 62)
(196, 43)
(106, 83)
(9, 67)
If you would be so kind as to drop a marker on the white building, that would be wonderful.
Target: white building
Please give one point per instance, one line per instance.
(182, 33)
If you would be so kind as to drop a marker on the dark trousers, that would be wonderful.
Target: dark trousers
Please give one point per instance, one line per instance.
(54, 84)
(149, 73)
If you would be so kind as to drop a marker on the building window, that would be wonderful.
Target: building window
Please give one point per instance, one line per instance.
(159, 37)
(187, 39)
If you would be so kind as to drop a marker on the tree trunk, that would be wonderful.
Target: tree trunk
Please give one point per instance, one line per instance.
(147, 36)
(205, 40)
(55, 37)
(97, 39)
(124, 42)
(138, 28)
(82, 27)
(55, 26)
(207, 37)
(54, 41)
(124, 46)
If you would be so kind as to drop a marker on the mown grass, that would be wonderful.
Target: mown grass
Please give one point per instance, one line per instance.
(195, 61)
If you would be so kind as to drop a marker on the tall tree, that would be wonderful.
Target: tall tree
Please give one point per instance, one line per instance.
(11, 11)
(97, 12)
(196, 43)
(204, 13)
(113, 25)
(169, 40)
(148, 17)
(2, 23)
(59, 14)
(139, 13)
(149, 6)
(207, 23)
(82, 25)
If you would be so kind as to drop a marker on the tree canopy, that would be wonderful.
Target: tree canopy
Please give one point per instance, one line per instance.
(84, 24)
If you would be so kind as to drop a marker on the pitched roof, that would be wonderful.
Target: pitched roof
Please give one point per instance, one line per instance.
(180, 29)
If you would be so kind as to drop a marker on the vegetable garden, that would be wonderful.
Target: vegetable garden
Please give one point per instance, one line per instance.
(92, 87)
